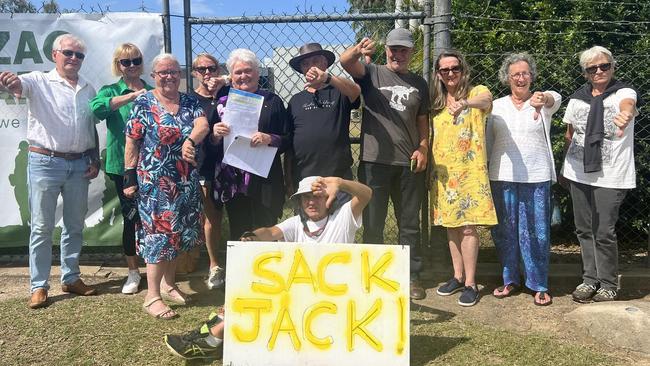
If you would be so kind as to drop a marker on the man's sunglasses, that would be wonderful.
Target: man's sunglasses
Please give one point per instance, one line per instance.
(455, 70)
(203, 69)
(70, 53)
(603, 67)
(134, 61)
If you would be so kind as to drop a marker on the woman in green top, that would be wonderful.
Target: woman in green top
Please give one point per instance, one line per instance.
(113, 103)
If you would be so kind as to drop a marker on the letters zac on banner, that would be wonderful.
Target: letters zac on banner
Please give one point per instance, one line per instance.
(26, 45)
(316, 304)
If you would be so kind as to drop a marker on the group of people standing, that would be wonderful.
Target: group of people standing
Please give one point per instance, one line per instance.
(492, 160)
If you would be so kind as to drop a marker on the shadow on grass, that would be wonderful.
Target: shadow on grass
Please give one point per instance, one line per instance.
(103, 288)
(439, 316)
(425, 348)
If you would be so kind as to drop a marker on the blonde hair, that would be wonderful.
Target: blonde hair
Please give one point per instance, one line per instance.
(204, 55)
(125, 50)
(438, 89)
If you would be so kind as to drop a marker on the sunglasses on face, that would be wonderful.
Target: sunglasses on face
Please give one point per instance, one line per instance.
(446, 71)
(70, 53)
(167, 73)
(128, 62)
(603, 67)
(203, 69)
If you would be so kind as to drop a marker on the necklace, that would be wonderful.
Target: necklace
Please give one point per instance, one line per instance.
(171, 105)
(316, 233)
(519, 102)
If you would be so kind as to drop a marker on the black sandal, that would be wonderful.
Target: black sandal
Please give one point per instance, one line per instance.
(542, 296)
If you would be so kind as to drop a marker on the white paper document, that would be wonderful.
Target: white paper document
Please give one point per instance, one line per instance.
(256, 160)
(242, 114)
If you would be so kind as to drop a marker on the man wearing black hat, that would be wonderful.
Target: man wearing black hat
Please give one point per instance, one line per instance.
(320, 117)
(394, 140)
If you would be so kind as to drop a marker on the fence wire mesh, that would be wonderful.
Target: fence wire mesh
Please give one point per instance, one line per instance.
(275, 39)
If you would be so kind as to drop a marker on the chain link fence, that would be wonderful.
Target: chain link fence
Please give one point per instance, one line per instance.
(275, 39)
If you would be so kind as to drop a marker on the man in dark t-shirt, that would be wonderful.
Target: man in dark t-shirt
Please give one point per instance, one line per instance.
(320, 117)
(394, 141)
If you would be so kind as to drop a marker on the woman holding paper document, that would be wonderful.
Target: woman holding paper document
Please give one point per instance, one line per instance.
(160, 166)
(251, 200)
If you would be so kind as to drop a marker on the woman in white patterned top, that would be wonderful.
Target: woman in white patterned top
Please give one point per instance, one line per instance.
(521, 172)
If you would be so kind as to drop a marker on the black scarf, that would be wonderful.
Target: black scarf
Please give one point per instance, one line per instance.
(595, 131)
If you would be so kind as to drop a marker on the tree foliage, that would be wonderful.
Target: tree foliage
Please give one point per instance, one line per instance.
(554, 32)
(26, 6)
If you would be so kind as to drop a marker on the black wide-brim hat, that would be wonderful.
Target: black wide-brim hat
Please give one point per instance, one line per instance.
(308, 50)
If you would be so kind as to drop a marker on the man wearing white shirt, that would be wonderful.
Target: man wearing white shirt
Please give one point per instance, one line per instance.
(63, 157)
(319, 221)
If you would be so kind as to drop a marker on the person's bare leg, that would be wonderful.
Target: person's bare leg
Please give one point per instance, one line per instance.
(454, 235)
(132, 262)
(211, 225)
(469, 250)
(217, 330)
(155, 273)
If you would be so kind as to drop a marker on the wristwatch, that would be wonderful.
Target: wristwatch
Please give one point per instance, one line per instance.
(329, 78)
(191, 141)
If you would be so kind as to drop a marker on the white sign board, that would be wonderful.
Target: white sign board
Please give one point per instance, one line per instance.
(25, 45)
(316, 304)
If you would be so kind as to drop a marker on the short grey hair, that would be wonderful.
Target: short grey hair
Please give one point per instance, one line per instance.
(161, 57)
(513, 58)
(588, 55)
(242, 55)
(56, 45)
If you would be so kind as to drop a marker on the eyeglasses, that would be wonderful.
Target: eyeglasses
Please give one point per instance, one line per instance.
(203, 69)
(446, 71)
(167, 73)
(70, 53)
(603, 67)
(128, 62)
(520, 75)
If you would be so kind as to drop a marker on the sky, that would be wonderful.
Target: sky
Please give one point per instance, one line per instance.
(205, 8)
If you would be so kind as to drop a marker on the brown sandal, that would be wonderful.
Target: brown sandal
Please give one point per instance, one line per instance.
(505, 290)
(165, 314)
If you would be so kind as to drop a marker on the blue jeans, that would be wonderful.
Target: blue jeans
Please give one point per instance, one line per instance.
(47, 177)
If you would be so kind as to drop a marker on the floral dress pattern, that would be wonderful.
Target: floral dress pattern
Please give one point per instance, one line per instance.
(461, 189)
(169, 201)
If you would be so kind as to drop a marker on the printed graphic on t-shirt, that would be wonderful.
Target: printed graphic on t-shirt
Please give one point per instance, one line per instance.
(316, 103)
(580, 115)
(399, 95)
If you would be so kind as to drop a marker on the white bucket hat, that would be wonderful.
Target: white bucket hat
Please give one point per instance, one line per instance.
(304, 186)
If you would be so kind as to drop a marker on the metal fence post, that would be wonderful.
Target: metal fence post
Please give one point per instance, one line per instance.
(188, 43)
(167, 28)
(426, 72)
(442, 34)
(441, 41)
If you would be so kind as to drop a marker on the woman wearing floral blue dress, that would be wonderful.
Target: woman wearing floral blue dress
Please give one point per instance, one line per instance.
(160, 166)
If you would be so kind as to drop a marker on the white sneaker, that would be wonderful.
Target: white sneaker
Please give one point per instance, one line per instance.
(132, 283)
(217, 277)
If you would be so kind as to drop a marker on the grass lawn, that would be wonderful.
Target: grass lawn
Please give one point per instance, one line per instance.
(112, 329)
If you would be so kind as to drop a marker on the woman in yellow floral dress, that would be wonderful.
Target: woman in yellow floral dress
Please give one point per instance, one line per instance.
(460, 193)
